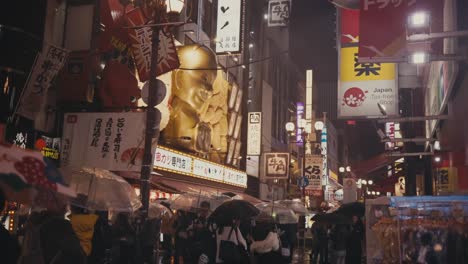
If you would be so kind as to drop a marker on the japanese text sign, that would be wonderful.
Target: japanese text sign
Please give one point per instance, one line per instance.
(170, 160)
(174, 161)
(45, 69)
(379, 38)
(278, 12)
(276, 165)
(208, 170)
(228, 28)
(254, 133)
(111, 141)
(313, 167)
(363, 86)
(299, 117)
(349, 26)
(141, 39)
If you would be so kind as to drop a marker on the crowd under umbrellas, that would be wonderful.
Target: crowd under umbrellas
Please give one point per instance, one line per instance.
(200, 223)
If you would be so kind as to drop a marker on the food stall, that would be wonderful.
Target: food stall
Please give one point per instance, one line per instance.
(415, 229)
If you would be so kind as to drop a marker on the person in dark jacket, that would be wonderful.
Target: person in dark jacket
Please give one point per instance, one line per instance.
(319, 243)
(339, 235)
(354, 242)
(9, 247)
(124, 240)
(102, 239)
(58, 240)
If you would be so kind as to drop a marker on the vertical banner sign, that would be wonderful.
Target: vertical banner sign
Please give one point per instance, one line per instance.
(46, 67)
(299, 117)
(278, 12)
(228, 28)
(111, 141)
(309, 94)
(254, 133)
(324, 145)
(276, 165)
(313, 168)
(141, 44)
(363, 86)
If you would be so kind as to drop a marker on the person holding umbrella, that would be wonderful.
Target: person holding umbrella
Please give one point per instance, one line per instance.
(265, 243)
(354, 243)
(230, 244)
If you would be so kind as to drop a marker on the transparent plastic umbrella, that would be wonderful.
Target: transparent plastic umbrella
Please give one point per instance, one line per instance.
(297, 206)
(102, 190)
(192, 201)
(279, 213)
(157, 210)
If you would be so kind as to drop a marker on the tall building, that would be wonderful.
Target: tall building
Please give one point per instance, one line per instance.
(274, 86)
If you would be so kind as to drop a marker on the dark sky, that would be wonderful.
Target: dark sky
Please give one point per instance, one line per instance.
(313, 37)
(313, 45)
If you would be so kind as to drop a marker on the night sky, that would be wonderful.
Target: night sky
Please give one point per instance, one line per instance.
(313, 45)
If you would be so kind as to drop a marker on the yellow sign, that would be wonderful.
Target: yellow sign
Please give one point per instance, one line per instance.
(352, 70)
(447, 180)
(333, 175)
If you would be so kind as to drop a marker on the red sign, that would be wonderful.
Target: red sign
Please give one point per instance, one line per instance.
(383, 25)
(349, 26)
(141, 44)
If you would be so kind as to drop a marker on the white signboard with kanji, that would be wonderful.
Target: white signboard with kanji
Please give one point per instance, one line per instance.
(111, 141)
(254, 133)
(46, 67)
(208, 170)
(228, 28)
(172, 161)
(278, 12)
(276, 165)
(313, 168)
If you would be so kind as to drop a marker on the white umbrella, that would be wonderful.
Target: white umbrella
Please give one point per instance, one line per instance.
(297, 206)
(102, 190)
(192, 201)
(280, 214)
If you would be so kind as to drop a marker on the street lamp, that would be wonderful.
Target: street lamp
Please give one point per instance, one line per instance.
(160, 9)
(348, 168)
(341, 169)
(290, 127)
(319, 125)
(370, 182)
(418, 57)
(419, 20)
(364, 182)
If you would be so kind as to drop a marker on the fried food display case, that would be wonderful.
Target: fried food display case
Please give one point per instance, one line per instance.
(422, 229)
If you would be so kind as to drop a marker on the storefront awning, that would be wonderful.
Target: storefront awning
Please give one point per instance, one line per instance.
(363, 168)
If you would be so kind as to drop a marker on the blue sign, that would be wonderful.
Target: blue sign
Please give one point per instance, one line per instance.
(302, 182)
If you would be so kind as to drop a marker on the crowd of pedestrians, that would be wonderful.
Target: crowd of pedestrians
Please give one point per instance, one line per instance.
(185, 237)
(339, 243)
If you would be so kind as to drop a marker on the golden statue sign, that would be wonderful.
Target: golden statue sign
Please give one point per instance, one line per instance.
(198, 119)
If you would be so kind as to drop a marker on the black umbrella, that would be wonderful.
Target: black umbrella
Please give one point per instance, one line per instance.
(234, 210)
(331, 218)
(351, 209)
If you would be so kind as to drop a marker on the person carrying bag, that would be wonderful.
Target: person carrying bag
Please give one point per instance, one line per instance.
(232, 251)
